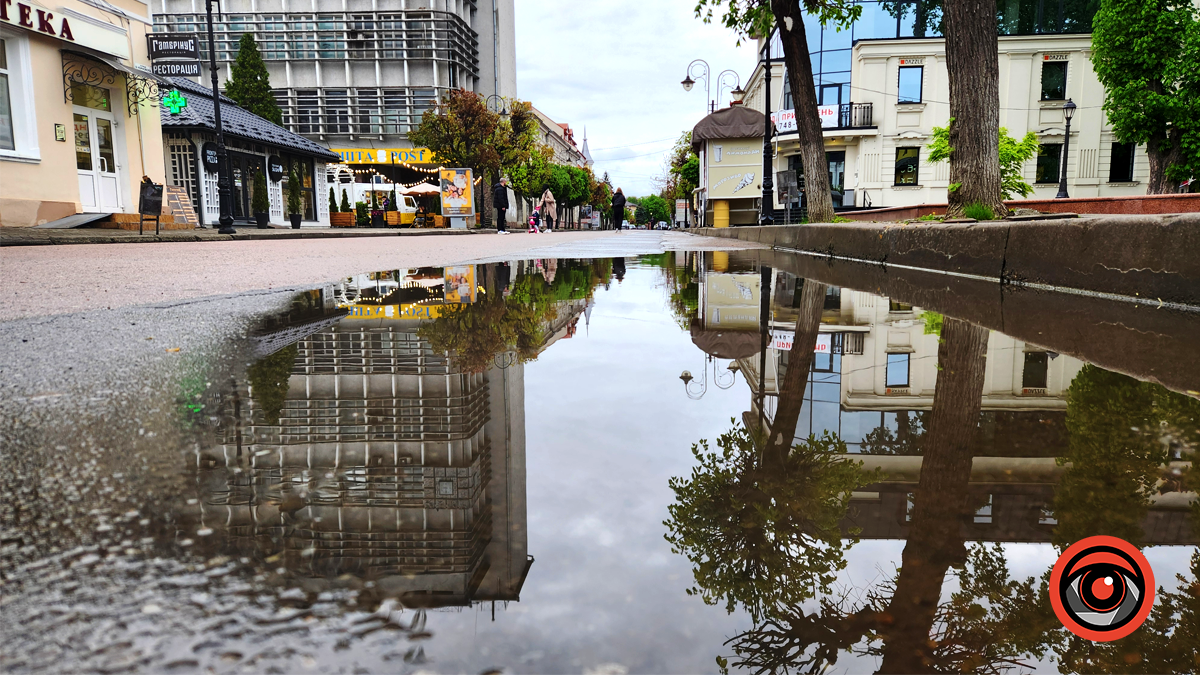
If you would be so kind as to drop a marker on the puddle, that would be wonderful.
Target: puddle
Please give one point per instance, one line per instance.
(582, 465)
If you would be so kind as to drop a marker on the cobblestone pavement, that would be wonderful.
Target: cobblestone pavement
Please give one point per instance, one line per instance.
(32, 236)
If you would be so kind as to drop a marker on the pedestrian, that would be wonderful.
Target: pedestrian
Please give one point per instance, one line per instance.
(500, 201)
(618, 209)
(548, 206)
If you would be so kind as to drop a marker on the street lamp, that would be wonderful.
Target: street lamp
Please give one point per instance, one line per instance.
(224, 192)
(721, 84)
(499, 106)
(767, 217)
(688, 81)
(722, 382)
(1068, 113)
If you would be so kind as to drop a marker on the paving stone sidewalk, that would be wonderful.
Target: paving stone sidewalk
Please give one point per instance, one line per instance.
(32, 236)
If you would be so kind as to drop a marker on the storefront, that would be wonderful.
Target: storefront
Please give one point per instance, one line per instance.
(729, 143)
(77, 98)
(253, 145)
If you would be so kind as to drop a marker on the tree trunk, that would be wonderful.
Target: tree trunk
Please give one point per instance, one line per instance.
(790, 19)
(487, 201)
(800, 357)
(1161, 160)
(972, 65)
(935, 536)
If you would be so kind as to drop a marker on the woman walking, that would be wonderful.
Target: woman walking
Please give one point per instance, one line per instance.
(618, 209)
(547, 206)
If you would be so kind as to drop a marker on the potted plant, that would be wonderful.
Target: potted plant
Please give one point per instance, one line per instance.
(261, 203)
(393, 211)
(376, 212)
(295, 210)
(362, 217)
(340, 215)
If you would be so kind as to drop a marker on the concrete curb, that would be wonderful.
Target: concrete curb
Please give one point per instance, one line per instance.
(1156, 257)
(36, 237)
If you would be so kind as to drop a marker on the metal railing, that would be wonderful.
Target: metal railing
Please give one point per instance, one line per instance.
(856, 115)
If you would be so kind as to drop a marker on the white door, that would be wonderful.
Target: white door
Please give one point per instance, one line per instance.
(96, 160)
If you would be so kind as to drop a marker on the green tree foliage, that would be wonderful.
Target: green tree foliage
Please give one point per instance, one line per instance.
(261, 201)
(529, 178)
(269, 381)
(333, 205)
(1121, 432)
(682, 171)
(1013, 155)
(763, 539)
(344, 207)
(1145, 53)
(250, 86)
(463, 132)
(295, 202)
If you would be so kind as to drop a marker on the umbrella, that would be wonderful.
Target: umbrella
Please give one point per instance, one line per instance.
(423, 189)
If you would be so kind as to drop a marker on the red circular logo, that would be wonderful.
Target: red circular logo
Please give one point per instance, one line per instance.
(1102, 588)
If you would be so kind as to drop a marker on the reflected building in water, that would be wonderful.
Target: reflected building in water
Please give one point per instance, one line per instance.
(381, 458)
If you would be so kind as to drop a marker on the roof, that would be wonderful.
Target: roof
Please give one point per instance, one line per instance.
(236, 121)
(733, 122)
(727, 344)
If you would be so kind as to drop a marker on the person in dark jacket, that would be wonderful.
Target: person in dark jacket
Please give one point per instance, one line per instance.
(500, 201)
(618, 209)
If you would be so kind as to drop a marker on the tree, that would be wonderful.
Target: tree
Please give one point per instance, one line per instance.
(529, 178)
(1145, 53)
(261, 200)
(250, 86)
(269, 381)
(463, 132)
(294, 192)
(656, 207)
(758, 18)
(344, 207)
(1013, 155)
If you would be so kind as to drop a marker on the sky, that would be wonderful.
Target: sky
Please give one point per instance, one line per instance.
(615, 67)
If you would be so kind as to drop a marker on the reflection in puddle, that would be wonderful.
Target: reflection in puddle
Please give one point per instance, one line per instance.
(875, 486)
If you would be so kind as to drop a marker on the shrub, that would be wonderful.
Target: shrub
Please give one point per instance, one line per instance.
(293, 196)
(345, 207)
(261, 203)
(333, 205)
(1013, 155)
(362, 217)
(391, 206)
(979, 211)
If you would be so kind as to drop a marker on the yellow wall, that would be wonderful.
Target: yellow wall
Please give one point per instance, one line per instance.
(34, 192)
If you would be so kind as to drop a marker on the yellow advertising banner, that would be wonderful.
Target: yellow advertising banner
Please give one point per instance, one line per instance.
(395, 312)
(458, 198)
(385, 155)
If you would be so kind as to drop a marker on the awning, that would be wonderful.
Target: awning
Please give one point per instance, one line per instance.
(113, 62)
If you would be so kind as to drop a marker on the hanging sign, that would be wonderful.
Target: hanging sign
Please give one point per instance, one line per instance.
(209, 152)
(173, 46)
(174, 101)
(176, 68)
(275, 168)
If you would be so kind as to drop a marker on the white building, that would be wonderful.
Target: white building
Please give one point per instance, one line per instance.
(882, 88)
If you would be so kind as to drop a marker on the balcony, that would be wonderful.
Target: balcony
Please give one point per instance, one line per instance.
(855, 116)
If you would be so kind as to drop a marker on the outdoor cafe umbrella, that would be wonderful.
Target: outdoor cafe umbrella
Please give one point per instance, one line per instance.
(423, 189)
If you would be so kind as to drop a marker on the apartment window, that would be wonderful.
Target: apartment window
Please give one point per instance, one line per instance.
(907, 161)
(897, 306)
(1033, 376)
(897, 370)
(911, 79)
(983, 516)
(1120, 167)
(1048, 158)
(308, 112)
(1054, 80)
(8, 138)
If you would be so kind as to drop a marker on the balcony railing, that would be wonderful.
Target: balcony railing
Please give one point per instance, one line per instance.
(855, 115)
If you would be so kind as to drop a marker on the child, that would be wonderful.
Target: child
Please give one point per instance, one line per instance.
(535, 222)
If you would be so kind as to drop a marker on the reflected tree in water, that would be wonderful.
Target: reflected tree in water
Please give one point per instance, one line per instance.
(269, 381)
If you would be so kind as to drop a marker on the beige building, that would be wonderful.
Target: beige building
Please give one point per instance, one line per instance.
(882, 88)
(79, 123)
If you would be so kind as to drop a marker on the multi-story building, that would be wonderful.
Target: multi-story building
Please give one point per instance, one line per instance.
(358, 74)
(76, 96)
(882, 88)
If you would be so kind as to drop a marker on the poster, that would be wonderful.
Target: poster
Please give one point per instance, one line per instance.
(460, 284)
(782, 340)
(457, 193)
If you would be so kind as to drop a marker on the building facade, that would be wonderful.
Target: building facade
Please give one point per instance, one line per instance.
(359, 74)
(79, 125)
(882, 88)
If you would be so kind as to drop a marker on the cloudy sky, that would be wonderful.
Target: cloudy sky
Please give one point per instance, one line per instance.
(615, 68)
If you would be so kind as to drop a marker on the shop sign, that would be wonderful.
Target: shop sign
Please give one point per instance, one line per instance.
(172, 46)
(38, 19)
(681, 210)
(275, 168)
(1056, 57)
(785, 120)
(209, 152)
(782, 340)
(395, 312)
(383, 155)
(176, 68)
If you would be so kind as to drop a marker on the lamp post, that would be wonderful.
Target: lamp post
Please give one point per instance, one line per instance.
(721, 85)
(767, 217)
(224, 192)
(688, 81)
(1068, 113)
(696, 394)
(499, 106)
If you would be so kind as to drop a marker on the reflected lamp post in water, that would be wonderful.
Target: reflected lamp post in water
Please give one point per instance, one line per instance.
(723, 379)
(1068, 113)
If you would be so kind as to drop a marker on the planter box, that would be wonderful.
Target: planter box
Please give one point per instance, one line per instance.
(439, 221)
(393, 218)
(341, 220)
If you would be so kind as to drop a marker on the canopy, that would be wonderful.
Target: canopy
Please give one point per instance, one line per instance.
(727, 344)
(423, 189)
(733, 122)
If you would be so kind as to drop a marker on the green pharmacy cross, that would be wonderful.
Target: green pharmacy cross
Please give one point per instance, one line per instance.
(174, 101)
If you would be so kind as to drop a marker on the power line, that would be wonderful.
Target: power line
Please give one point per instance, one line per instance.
(633, 145)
